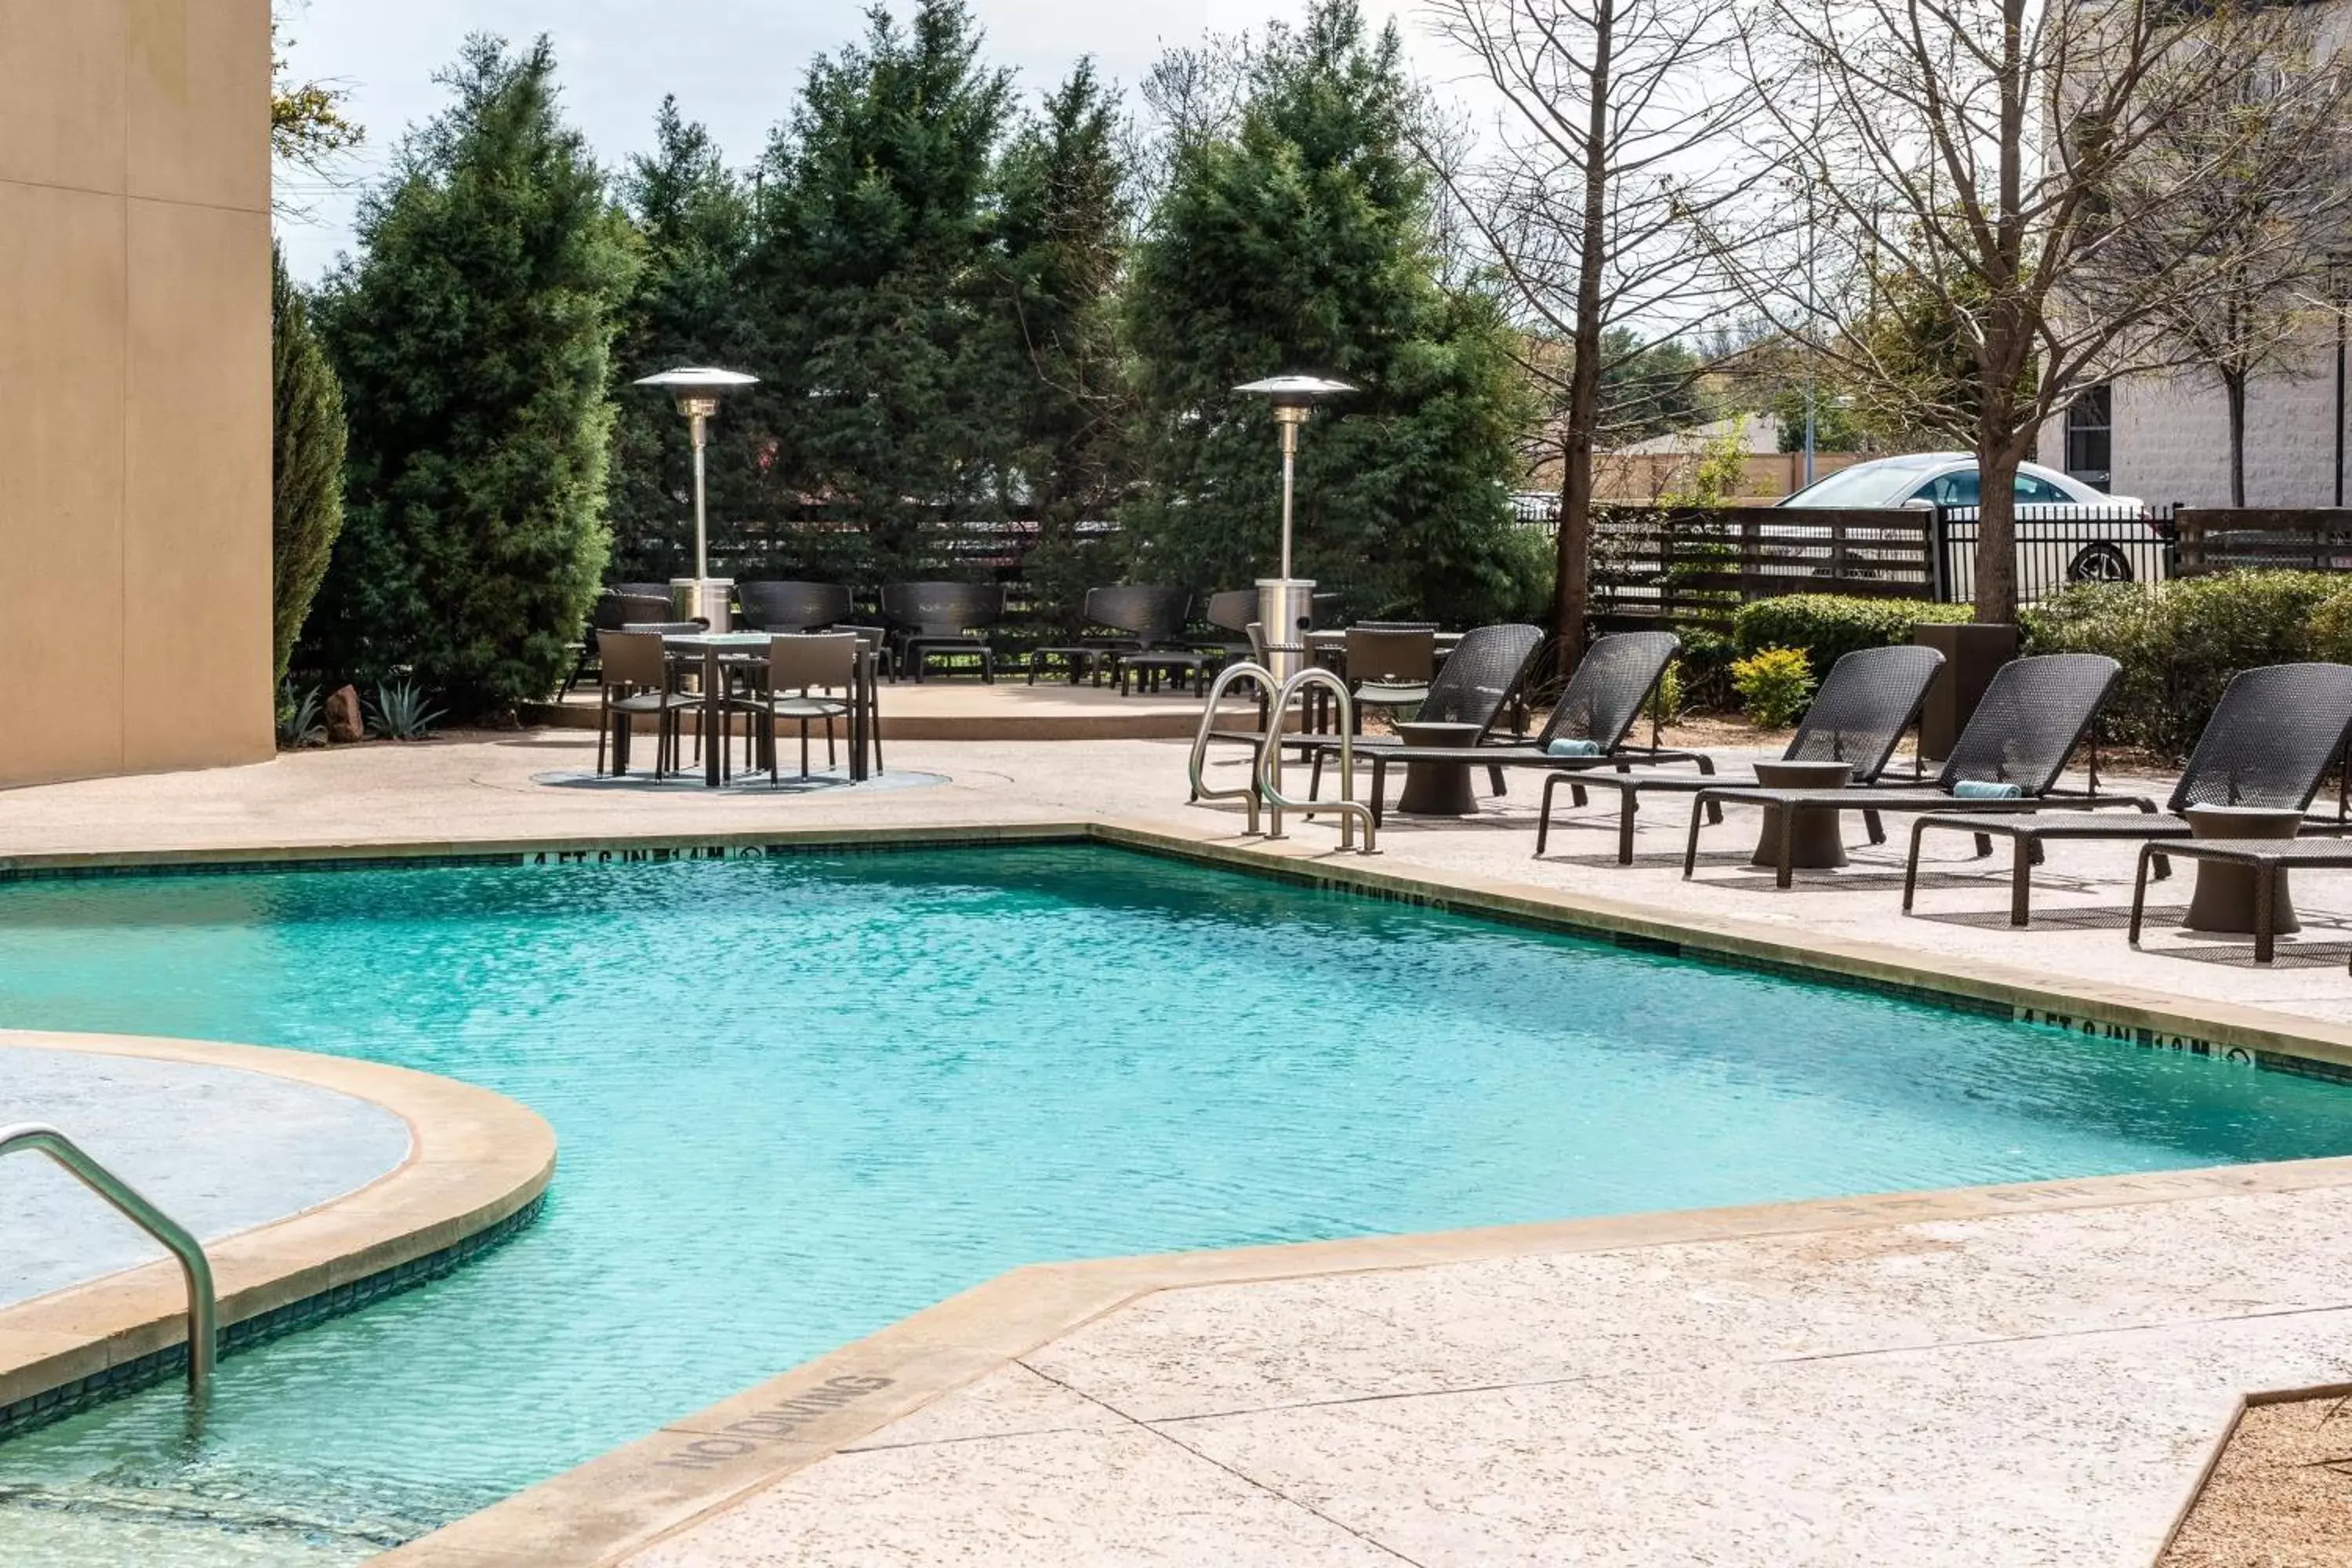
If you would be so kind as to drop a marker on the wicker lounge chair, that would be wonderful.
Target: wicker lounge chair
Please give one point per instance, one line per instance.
(613, 610)
(941, 620)
(1869, 697)
(1478, 683)
(2268, 744)
(1140, 620)
(2266, 860)
(2028, 724)
(1603, 699)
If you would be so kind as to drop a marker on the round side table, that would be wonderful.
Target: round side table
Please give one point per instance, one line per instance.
(2224, 898)
(1438, 789)
(1816, 843)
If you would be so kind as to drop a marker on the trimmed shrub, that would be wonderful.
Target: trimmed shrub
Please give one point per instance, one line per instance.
(1774, 684)
(1828, 627)
(2180, 643)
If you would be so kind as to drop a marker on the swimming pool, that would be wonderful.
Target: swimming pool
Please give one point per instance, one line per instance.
(801, 1096)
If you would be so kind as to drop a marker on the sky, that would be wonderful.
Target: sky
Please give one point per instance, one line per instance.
(735, 65)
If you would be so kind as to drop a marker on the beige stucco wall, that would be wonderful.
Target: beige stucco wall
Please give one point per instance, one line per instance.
(134, 386)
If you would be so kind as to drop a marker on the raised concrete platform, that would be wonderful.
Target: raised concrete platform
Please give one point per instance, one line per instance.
(944, 709)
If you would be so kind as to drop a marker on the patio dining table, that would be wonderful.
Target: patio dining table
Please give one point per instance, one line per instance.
(722, 649)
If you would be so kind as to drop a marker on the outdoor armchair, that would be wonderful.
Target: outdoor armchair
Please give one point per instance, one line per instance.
(792, 606)
(2031, 718)
(930, 618)
(2268, 744)
(1869, 699)
(636, 677)
(798, 683)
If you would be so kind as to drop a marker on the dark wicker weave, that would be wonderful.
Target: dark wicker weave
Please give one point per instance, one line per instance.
(1869, 697)
(1137, 619)
(2268, 744)
(611, 611)
(790, 607)
(1477, 681)
(2267, 859)
(2029, 720)
(1603, 698)
(939, 618)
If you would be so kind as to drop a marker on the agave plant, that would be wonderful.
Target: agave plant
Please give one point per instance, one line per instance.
(299, 719)
(400, 713)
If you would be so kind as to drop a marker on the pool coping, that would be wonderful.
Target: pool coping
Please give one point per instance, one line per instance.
(477, 1166)
(624, 1500)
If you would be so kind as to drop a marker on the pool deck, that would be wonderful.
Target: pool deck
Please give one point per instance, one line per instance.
(2024, 1375)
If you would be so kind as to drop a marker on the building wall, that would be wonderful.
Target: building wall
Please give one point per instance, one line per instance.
(134, 386)
(2172, 436)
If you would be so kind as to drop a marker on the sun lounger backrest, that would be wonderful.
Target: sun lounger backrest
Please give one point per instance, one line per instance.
(2032, 715)
(2269, 739)
(1612, 682)
(1869, 699)
(1480, 675)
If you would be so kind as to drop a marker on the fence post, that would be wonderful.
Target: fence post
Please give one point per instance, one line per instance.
(1939, 569)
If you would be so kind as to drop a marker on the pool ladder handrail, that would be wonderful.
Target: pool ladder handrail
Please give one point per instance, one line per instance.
(1265, 774)
(134, 1207)
(1269, 764)
(1246, 670)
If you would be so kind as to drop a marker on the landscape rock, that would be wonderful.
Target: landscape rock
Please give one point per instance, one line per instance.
(344, 723)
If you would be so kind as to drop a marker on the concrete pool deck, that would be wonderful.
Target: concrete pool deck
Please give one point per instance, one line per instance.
(2024, 1375)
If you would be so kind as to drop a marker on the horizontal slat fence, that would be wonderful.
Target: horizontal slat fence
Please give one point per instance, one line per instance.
(2218, 538)
(1695, 566)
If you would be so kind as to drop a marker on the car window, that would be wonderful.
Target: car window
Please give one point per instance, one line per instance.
(2041, 492)
(1956, 488)
(1864, 485)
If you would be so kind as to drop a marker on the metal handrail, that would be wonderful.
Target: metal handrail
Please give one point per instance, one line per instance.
(128, 1201)
(1269, 764)
(1249, 791)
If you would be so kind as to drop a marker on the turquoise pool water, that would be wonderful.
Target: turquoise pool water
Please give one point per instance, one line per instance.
(800, 1097)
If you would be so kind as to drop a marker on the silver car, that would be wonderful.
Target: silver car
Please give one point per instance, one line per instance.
(2067, 531)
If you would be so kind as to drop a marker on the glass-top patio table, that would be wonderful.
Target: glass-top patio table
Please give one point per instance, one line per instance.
(719, 648)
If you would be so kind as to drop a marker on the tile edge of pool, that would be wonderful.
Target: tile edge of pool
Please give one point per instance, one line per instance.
(476, 1173)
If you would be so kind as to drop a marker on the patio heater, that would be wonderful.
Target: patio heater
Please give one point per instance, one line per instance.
(697, 389)
(1285, 605)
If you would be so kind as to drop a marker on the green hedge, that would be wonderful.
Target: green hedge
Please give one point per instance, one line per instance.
(1828, 627)
(2180, 643)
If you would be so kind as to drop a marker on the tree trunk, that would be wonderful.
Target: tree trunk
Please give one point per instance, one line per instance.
(1996, 565)
(2233, 392)
(1572, 591)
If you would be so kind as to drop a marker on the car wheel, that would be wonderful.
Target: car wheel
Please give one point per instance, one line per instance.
(2099, 563)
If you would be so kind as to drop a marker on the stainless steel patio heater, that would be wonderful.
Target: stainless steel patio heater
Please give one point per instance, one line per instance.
(1285, 605)
(697, 389)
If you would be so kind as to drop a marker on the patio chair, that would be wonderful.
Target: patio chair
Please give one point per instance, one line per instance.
(1869, 699)
(1389, 666)
(2028, 724)
(1586, 728)
(794, 684)
(611, 611)
(941, 618)
(1137, 619)
(636, 675)
(792, 607)
(2268, 744)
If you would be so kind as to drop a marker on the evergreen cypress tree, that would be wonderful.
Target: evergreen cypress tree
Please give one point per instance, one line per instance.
(1063, 234)
(694, 218)
(306, 476)
(473, 336)
(888, 389)
(1303, 240)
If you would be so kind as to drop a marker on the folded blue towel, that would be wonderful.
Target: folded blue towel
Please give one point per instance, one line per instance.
(1573, 748)
(1982, 789)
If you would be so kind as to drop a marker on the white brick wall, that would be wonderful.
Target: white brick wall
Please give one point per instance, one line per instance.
(2172, 436)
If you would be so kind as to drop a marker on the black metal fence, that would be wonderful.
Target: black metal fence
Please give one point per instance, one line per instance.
(2056, 547)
